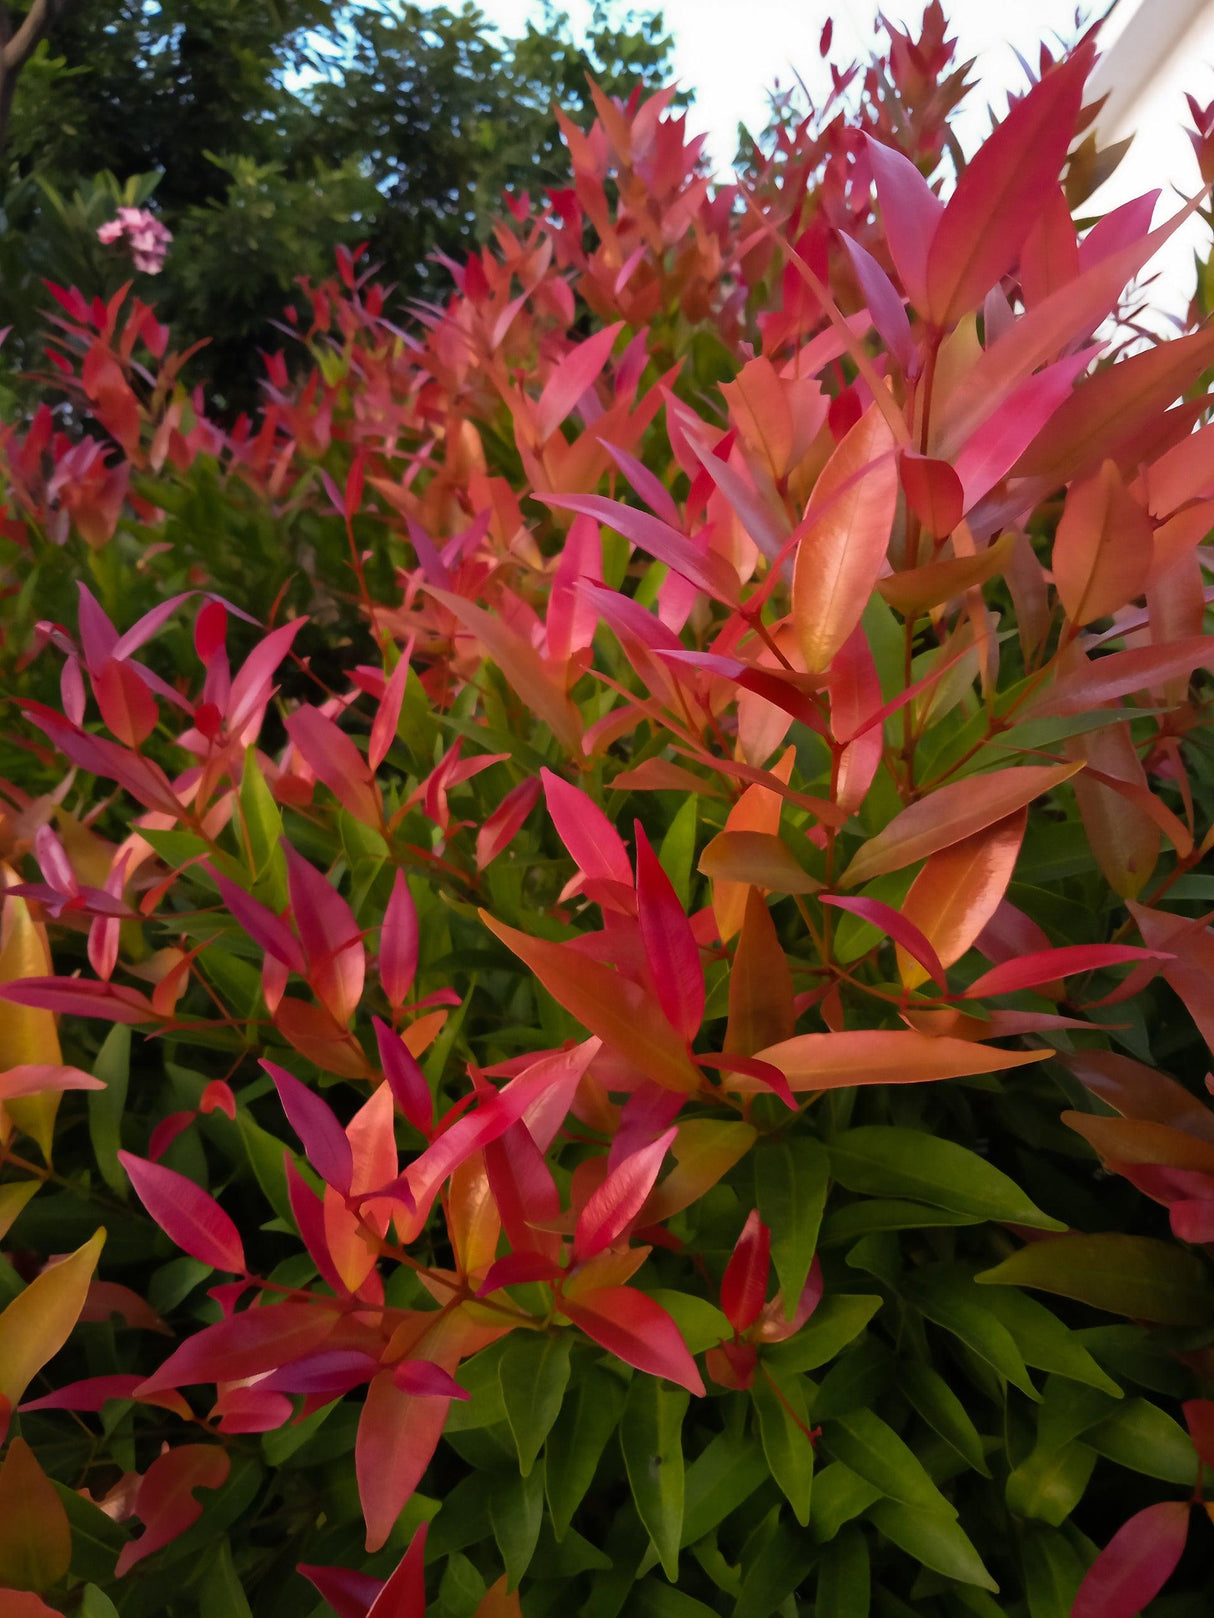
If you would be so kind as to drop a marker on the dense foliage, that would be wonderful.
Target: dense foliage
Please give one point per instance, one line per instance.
(267, 132)
(605, 945)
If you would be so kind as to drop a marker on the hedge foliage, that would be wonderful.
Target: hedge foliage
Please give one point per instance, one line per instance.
(605, 945)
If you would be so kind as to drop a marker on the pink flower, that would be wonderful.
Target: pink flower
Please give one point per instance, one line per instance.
(147, 239)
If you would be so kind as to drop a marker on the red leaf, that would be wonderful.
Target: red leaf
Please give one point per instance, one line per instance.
(1199, 1418)
(933, 491)
(347, 1592)
(251, 687)
(398, 942)
(1046, 966)
(248, 1344)
(892, 922)
(127, 706)
(516, 1269)
(1136, 1563)
(267, 930)
(671, 949)
(1090, 682)
(404, 1595)
(744, 1284)
(333, 758)
(397, 1435)
(613, 1207)
(637, 1330)
(330, 937)
(165, 1503)
(324, 1140)
(1001, 191)
(187, 1214)
(578, 370)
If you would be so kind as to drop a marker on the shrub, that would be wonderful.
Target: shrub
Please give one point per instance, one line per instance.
(638, 841)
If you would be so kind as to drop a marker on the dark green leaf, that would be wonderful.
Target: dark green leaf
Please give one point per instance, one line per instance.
(106, 1107)
(1142, 1437)
(1049, 1483)
(782, 1563)
(784, 1431)
(882, 1161)
(1044, 1342)
(516, 1510)
(651, 1437)
(949, 1297)
(588, 1418)
(844, 1581)
(838, 1319)
(792, 1174)
(222, 1594)
(943, 1411)
(839, 1496)
(533, 1371)
(718, 1481)
(873, 1450)
(936, 1541)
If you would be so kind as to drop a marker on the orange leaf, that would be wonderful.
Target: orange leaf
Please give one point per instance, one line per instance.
(956, 892)
(39, 1320)
(35, 1538)
(844, 536)
(919, 588)
(951, 813)
(1124, 838)
(1102, 550)
(760, 984)
(623, 1016)
(757, 858)
(1135, 1140)
(883, 1056)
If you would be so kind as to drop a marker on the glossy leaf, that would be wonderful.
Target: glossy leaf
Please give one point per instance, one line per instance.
(651, 1437)
(187, 1214)
(1127, 1275)
(39, 1320)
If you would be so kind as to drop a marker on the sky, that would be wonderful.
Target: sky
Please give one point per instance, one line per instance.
(730, 52)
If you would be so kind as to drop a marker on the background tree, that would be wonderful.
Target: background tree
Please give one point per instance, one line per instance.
(278, 130)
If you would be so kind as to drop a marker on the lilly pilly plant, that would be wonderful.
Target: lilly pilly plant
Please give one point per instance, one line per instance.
(597, 1088)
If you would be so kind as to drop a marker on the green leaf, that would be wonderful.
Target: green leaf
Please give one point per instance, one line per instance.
(1127, 1275)
(948, 1297)
(942, 1411)
(1045, 1343)
(840, 1495)
(701, 1324)
(879, 1160)
(792, 1174)
(589, 1416)
(873, 1450)
(651, 1437)
(844, 1580)
(1049, 1483)
(787, 1445)
(838, 1319)
(1053, 1570)
(96, 1538)
(106, 1107)
(462, 1587)
(222, 1594)
(1140, 1436)
(718, 1481)
(876, 1215)
(266, 1153)
(779, 1566)
(262, 825)
(516, 1510)
(676, 852)
(652, 1599)
(534, 1372)
(96, 1604)
(937, 1542)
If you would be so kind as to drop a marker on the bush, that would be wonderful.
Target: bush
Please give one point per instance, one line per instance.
(639, 844)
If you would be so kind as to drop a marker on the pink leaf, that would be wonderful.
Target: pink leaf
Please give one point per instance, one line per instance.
(350, 1594)
(397, 1435)
(910, 212)
(398, 943)
(37, 1078)
(506, 821)
(268, 931)
(884, 304)
(699, 565)
(81, 997)
(1046, 966)
(405, 1078)
(245, 1345)
(387, 715)
(186, 1213)
(577, 371)
(330, 937)
(744, 1284)
(90, 1394)
(893, 923)
(516, 1269)
(620, 1198)
(670, 947)
(594, 845)
(996, 446)
(251, 686)
(324, 1140)
(636, 1329)
(1136, 1563)
(333, 758)
(427, 1380)
(127, 706)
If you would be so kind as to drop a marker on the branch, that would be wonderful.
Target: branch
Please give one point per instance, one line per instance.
(35, 25)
